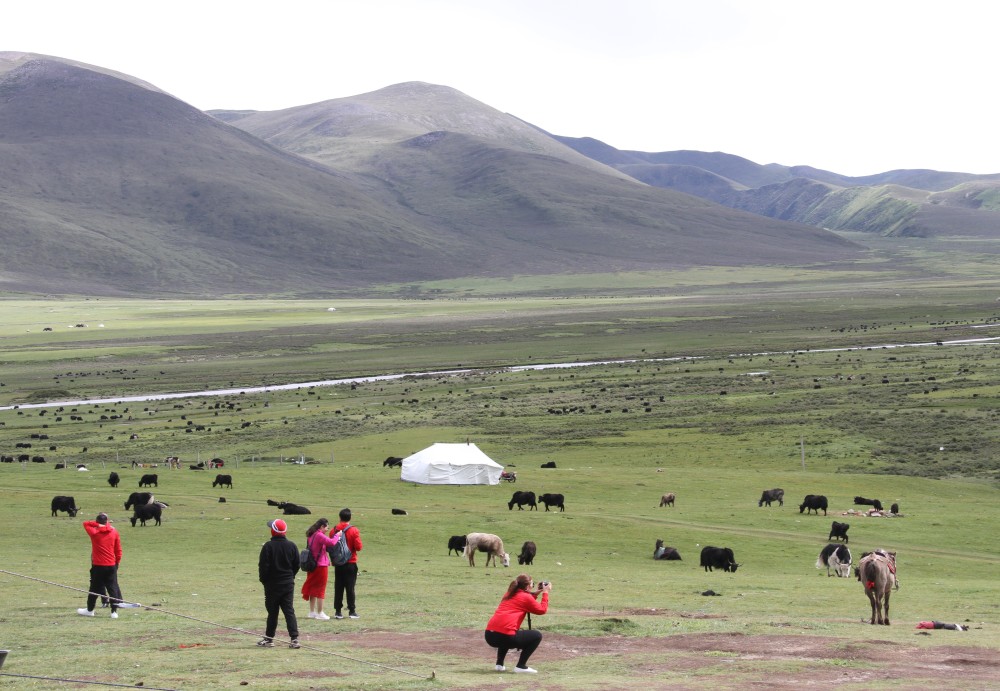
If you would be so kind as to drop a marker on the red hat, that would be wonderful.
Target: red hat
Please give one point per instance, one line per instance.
(277, 526)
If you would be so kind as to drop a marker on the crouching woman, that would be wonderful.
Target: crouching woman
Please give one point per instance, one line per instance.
(503, 629)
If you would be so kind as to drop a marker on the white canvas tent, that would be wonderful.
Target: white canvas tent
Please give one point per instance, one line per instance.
(451, 464)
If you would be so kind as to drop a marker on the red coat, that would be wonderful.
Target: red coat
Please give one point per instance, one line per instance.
(106, 544)
(511, 612)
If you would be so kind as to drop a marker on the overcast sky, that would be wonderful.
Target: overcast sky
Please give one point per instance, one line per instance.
(852, 86)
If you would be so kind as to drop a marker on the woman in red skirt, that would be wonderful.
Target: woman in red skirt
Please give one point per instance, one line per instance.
(314, 589)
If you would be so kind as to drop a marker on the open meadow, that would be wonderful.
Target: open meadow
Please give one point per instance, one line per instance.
(717, 393)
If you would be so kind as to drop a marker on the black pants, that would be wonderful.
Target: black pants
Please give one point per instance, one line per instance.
(280, 598)
(344, 579)
(103, 580)
(116, 593)
(525, 640)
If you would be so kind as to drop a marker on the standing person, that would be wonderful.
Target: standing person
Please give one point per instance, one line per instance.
(105, 556)
(276, 568)
(502, 630)
(346, 576)
(314, 589)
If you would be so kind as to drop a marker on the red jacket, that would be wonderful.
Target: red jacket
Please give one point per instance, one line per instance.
(106, 544)
(353, 539)
(511, 612)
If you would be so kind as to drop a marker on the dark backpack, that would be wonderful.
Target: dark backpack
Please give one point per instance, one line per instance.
(340, 553)
(307, 562)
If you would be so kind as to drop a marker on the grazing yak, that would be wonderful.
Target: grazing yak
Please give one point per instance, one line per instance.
(290, 509)
(767, 496)
(223, 481)
(718, 558)
(550, 464)
(392, 462)
(148, 480)
(836, 557)
(67, 504)
(662, 553)
(668, 499)
(113, 479)
(877, 572)
(522, 498)
(485, 542)
(399, 512)
(813, 502)
(527, 555)
(874, 503)
(138, 499)
(838, 531)
(145, 512)
(894, 508)
(553, 500)
(457, 543)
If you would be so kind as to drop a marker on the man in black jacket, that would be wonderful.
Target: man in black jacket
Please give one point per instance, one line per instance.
(277, 566)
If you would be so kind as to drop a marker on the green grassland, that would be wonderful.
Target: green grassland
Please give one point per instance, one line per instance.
(719, 393)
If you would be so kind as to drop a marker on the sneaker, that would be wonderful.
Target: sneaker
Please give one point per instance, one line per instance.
(526, 670)
(501, 668)
(312, 615)
(294, 645)
(84, 612)
(265, 643)
(338, 615)
(114, 615)
(354, 615)
(322, 616)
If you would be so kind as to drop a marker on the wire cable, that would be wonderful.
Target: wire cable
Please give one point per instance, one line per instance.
(224, 626)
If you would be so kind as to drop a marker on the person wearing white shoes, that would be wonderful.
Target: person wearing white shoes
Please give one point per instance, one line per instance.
(503, 629)
(314, 589)
(105, 556)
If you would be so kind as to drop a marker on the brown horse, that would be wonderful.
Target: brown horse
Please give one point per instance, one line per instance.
(877, 572)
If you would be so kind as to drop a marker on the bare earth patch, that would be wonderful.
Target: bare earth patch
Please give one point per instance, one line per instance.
(714, 660)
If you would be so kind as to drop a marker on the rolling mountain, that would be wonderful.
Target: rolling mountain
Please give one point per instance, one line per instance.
(906, 203)
(111, 186)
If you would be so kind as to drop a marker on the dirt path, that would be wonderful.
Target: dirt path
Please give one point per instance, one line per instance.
(727, 660)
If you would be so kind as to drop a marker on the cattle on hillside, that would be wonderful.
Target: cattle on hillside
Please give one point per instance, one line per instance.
(767, 496)
(456, 543)
(718, 558)
(392, 462)
(67, 504)
(522, 498)
(813, 502)
(113, 479)
(894, 508)
(838, 531)
(668, 499)
(836, 557)
(138, 499)
(874, 503)
(664, 553)
(549, 464)
(527, 555)
(290, 509)
(223, 481)
(485, 542)
(145, 512)
(553, 500)
(149, 480)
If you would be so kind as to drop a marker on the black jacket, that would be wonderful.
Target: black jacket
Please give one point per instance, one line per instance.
(278, 563)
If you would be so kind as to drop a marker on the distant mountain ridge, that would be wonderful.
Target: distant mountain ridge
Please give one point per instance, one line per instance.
(893, 203)
(111, 186)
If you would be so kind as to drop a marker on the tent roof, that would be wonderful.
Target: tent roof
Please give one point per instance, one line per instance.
(451, 464)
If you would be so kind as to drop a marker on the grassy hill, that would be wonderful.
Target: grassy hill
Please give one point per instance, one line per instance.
(905, 203)
(112, 187)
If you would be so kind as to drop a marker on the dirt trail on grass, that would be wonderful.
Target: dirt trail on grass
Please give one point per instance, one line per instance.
(721, 660)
